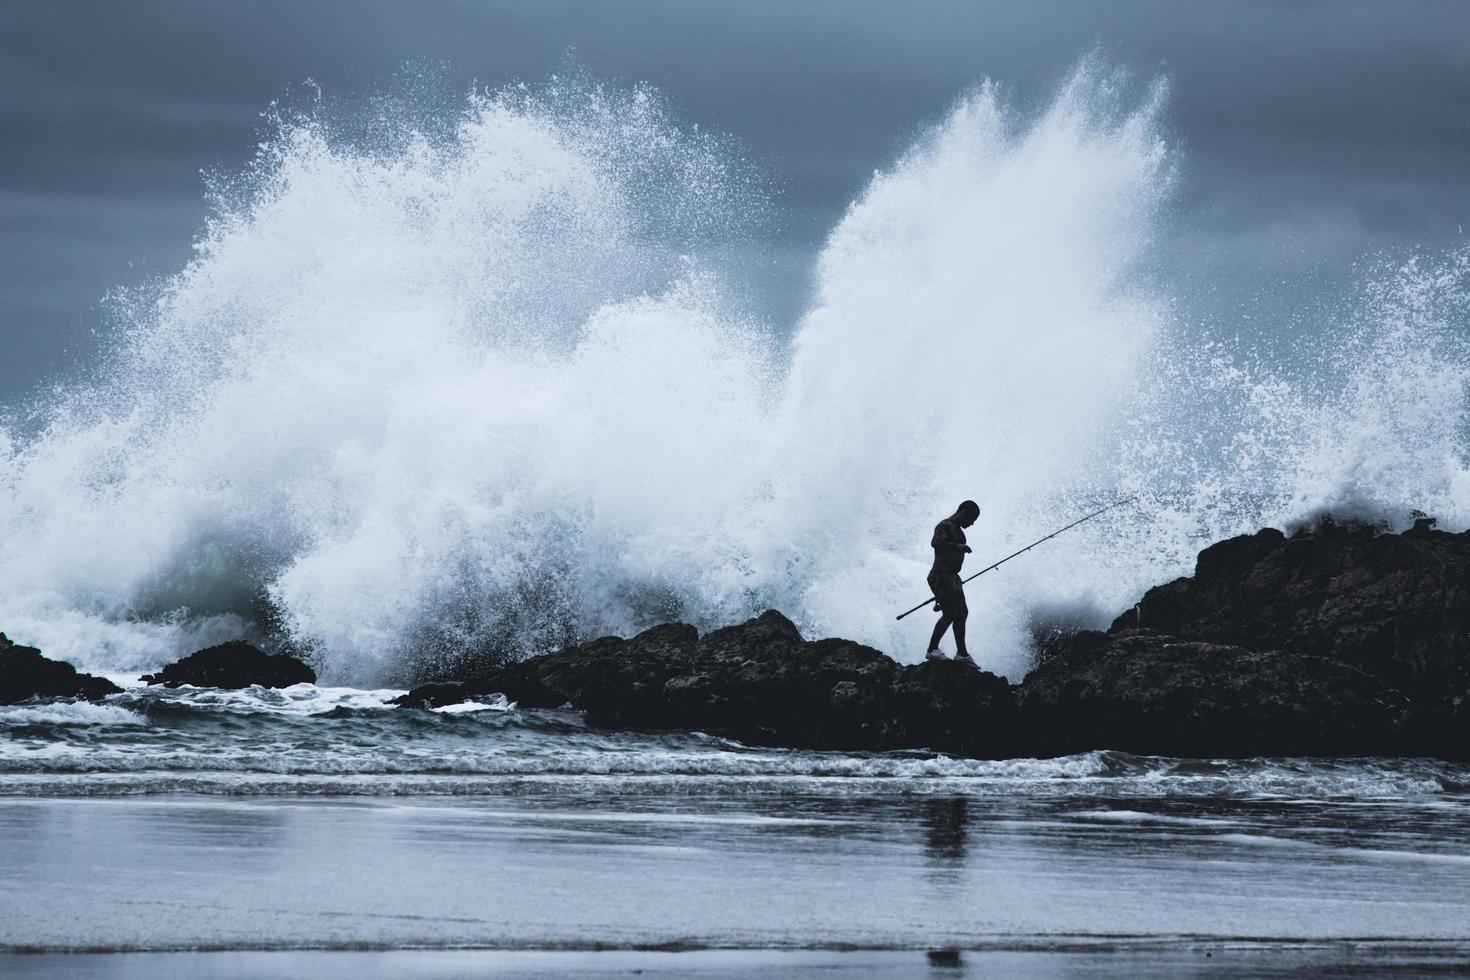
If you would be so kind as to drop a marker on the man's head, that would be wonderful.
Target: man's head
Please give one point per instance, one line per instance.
(967, 513)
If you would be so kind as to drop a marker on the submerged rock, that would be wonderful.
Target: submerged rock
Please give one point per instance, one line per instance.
(26, 674)
(233, 665)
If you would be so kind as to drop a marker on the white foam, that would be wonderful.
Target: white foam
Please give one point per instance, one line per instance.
(498, 703)
(1139, 817)
(298, 700)
(69, 713)
(1412, 857)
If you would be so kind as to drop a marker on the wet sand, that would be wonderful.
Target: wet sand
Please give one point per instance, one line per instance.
(778, 886)
(1205, 960)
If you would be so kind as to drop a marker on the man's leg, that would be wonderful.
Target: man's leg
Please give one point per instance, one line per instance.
(938, 633)
(959, 611)
(959, 632)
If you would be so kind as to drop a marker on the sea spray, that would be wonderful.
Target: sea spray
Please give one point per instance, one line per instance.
(1394, 431)
(977, 331)
(423, 400)
(473, 388)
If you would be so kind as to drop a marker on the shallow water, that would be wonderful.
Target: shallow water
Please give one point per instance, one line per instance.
(602, 870)
(1108, 959)
(307, 740)
(318, 819)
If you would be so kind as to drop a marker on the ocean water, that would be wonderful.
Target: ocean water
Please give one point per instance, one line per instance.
(307, 741)
(159, 822)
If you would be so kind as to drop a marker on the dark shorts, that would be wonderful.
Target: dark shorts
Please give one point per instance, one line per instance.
(949, 593)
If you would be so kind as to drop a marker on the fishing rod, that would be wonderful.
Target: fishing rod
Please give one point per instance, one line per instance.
(1033, 544)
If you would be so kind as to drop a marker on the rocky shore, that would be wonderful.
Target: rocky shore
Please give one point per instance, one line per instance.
(1338, 640)
(761, 683)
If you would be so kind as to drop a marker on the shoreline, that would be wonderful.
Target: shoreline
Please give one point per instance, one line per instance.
(1068, 943)
(599, 873)
(1211, 959)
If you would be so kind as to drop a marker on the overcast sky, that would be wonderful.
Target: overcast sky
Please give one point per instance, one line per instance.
(1313, 133)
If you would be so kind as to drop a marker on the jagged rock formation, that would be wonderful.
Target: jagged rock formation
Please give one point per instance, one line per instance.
(1152, 694)
(759, 682)
(233, 665)
(1340, 640)
(1397, 605)
(1337, 640)
(26, 674)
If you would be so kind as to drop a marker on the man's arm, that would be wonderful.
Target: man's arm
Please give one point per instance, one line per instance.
(945, 539)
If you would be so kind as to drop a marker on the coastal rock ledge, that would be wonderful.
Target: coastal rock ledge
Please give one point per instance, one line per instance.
(1338, 640)
(761, 683)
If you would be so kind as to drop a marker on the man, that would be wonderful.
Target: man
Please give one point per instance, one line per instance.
(944, 580)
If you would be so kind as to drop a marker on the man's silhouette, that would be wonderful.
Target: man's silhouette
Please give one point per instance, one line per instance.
(944, 580)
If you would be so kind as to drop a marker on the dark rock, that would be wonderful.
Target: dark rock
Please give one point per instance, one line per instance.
(437, 695)
(759, 682)
(233, 665)
(762, 683)
(1152, 694)
(25, 674)
(953, 707)
(1397, 605)
(1341, 640)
